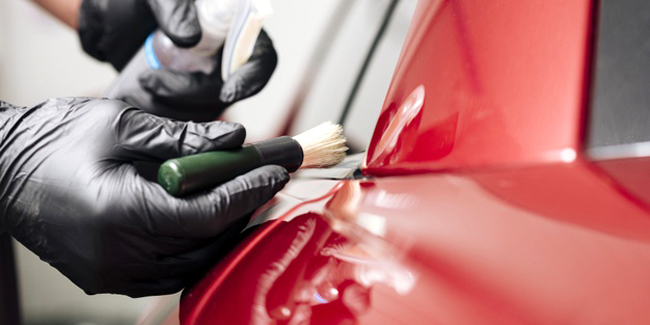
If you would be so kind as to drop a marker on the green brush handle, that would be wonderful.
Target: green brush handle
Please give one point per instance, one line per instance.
(206, 170)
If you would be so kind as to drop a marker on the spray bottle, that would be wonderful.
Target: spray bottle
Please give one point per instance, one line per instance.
(237, 23)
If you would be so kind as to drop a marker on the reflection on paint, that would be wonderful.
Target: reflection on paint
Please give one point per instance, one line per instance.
(410, 109)
(316, 268)
(566, 155)
(368, 270)
(374, 224)
(393, 201)
(304, 271)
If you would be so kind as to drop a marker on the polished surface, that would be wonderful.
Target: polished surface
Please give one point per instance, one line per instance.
(504, 83)
(632, 176)
(515, 225)
(515, 246)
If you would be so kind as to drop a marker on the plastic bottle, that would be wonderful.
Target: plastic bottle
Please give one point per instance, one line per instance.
(216, 18)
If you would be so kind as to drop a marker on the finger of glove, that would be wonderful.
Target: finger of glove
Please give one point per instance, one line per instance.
(91, 27)
(182, 87)
(144, 288)
(250, 78)
(143, 136)
(198, 259)
(207, 214)
(127, 284)
(178, 20)
(113, 31)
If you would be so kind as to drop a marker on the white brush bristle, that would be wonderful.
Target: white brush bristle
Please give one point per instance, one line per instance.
(322, 146)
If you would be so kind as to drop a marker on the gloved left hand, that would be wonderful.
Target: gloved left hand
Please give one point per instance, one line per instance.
(70, 193)
(203, 97)
(114, 30)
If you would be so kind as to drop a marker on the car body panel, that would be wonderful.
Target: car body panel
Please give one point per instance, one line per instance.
(631, 174)
(504, 247)
(504, 83)
(476, 203)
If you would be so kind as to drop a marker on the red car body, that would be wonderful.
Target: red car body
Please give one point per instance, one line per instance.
(476, 203)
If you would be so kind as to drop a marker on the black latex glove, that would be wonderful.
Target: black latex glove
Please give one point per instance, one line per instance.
(69, 193)
(113, 30)
(200, 97)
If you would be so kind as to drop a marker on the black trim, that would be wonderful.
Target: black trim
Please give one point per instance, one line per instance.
(371, 52)
(620, 110)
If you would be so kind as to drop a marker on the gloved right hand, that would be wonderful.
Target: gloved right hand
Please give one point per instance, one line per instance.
(114, 30)
(69, 193)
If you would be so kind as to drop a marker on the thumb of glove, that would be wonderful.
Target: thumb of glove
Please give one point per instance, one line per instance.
(250, 78)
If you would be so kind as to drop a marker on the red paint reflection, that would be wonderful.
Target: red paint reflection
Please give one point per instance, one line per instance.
(293, 277)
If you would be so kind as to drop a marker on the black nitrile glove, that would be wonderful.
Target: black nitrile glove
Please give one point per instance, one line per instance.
(200, 97)
(113, 30)
(69, 193)
(197, 89)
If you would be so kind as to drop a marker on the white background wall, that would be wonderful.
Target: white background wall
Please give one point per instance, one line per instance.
(41, 58)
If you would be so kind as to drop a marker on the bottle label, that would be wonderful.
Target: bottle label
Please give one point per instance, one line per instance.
(150, 54)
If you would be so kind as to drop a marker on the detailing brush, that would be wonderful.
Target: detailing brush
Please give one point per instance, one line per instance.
(322, 146)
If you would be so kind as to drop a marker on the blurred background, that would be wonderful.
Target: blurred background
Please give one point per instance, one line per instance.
(322, 47)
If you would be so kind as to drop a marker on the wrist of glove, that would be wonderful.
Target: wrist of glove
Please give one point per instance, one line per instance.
(70, 193)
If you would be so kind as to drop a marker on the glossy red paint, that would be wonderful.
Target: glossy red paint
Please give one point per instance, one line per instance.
(633, 174)
(520, 246)
(515, 228)
(504, 83)
(196, 302)
(516, 246)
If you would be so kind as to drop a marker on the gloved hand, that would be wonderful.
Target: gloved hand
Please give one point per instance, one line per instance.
(114, 30)
(69, 193)
(197, 96)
